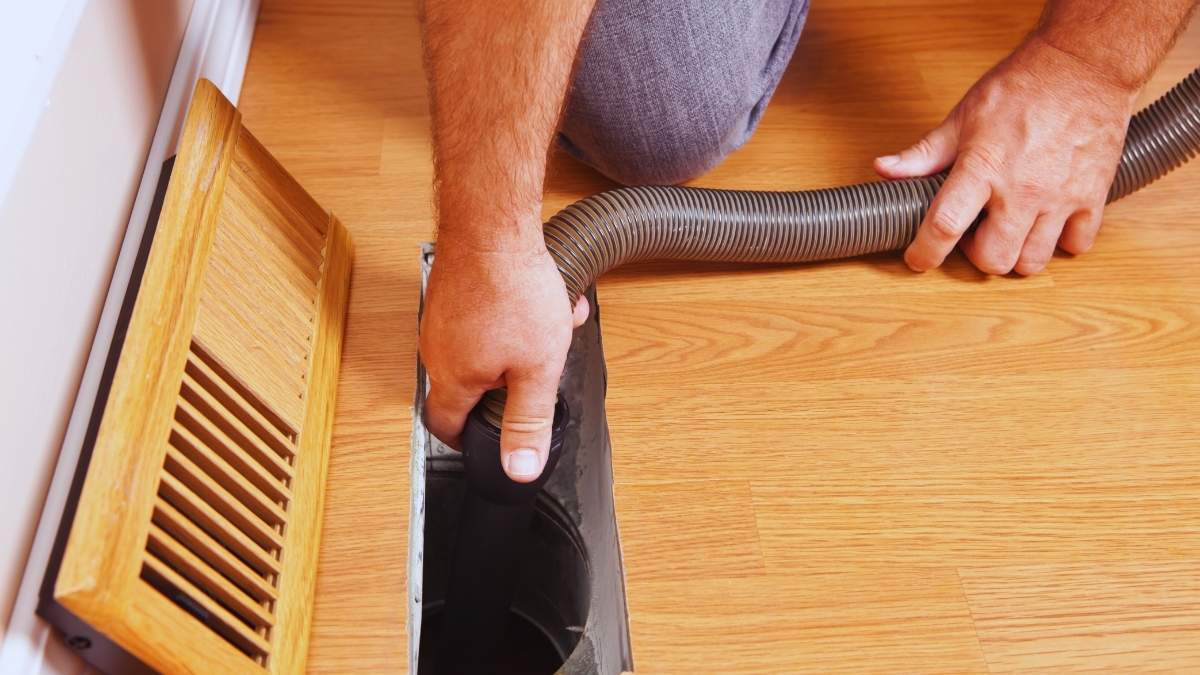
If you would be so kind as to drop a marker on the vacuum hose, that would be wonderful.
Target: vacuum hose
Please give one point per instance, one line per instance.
(596, 234)
(626, 225)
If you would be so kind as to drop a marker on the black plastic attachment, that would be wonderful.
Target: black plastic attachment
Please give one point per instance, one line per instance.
(481, 459)
(492, 536)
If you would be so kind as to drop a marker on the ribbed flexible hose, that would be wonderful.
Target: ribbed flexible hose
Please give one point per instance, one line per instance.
(626, 225)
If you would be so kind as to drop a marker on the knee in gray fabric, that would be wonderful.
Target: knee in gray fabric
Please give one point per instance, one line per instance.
(681, 155)
(639, 147)
(664, 90)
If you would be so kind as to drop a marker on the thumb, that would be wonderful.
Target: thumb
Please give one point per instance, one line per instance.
(580, 313)
(525, 428)
(931, 154)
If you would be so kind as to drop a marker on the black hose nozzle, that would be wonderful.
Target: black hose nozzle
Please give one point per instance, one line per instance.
(493, 532)
(480, 442)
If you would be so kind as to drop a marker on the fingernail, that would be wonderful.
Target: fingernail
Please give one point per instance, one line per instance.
(523, 463)
(889, 160)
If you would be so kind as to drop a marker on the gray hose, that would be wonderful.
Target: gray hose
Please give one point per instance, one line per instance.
(626, 225)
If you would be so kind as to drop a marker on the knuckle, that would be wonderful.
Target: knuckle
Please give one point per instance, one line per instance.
(1027, 190)
(924, 148)
(518, 423)
(982, 163)
(1006, 235)
(944, 225)
(1079, 235)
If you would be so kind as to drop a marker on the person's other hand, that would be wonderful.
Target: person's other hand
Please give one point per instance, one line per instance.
(1036, 142)
(497, 319)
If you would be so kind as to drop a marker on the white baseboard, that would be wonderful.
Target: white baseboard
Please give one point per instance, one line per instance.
(215, 46)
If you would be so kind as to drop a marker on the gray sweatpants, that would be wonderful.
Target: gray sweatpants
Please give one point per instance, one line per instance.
(665, 89)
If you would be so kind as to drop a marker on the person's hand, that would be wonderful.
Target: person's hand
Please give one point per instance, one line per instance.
(1036, 142)
(497, 318)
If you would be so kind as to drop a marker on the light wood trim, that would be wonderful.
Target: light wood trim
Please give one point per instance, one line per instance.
(271, 363)
(295, 258)
(222, 501)
(209, 359)
(163, 545)
(194, 507)
(219, 418)
(232, 424)
(237, 484)
(291, 314)
(159, 623)
(248, 637)
(235, 401)
(283, 193)
(198, 476)
(172, 521)
(285, 347)
(111, 519)
(238, 458)
(290, 636)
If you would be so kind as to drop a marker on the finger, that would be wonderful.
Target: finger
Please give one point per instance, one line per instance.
(997, 243)
(525, 429)
(931, 154)
(580, 314)
(1080, 231)
(955, 207)
(1039, 245)
(446, 411)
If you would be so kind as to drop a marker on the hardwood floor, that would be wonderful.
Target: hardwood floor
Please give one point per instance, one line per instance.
(841, 466)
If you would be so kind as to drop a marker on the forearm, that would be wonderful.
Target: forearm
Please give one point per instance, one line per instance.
(498, 73)
(1123, 40)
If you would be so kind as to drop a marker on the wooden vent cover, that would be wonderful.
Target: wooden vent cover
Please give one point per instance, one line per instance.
(194, 540)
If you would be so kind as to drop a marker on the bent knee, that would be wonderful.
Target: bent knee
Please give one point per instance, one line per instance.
(647, 106)
(665, 144)
(646, 156)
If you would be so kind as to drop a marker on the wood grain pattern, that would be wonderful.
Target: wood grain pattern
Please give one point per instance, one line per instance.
(256, 315)
(1127, 616)
(195, 542)
(806, 457)
(99, 578)
(303, 532)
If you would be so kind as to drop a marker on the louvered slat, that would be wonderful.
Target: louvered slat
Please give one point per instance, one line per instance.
(271, 337)
(208, 580)
(260, 171)
(190, 535)
(293, 258)
(221, 471)
(262, 357)
(207, 417)
(199, 352)
(188, 425)
(290, 317)
(221, 500)
(235, 401)
(247, 638)
(187, 502)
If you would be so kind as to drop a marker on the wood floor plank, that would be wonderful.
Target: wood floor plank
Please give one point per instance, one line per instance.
(847, 620)
(693, 529)
(1116, 618)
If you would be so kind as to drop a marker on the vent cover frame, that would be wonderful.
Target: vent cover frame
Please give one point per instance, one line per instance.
(189, 544)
